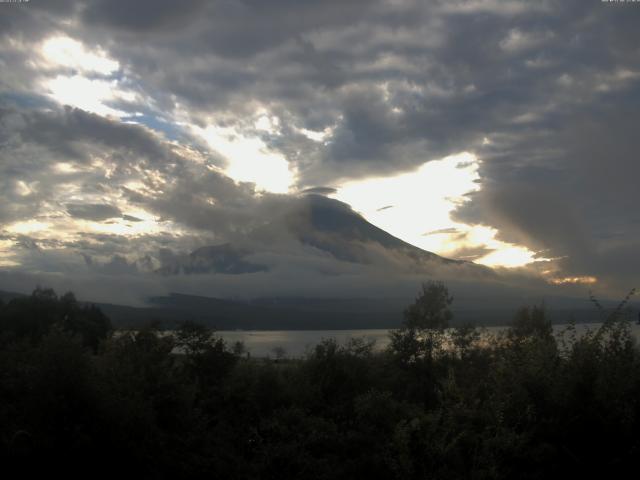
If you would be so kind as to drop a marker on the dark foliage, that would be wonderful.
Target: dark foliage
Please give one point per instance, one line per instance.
(32, 318)
(78, 399)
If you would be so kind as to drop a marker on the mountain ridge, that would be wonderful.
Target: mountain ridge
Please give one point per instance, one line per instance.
(316, 226)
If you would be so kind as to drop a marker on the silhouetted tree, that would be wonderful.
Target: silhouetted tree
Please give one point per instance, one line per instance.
(33, 317)
(425, 321)
(531, 322)
(206, 357)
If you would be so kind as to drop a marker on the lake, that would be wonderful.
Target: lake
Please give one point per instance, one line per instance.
(295, 343)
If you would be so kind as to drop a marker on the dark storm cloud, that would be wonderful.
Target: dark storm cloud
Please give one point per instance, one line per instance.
(208, 201)
(451, 230)
(400, 83)
(60, 131)
(39, 18)
(142, 16)
(571, 190)
(531, 215)
(320, 190)
(93, 211)
(73, 135)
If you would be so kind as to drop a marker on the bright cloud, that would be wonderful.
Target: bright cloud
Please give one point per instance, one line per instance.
(27, 227)
(6, 254)
(417, 206)
(420, 201)
(355, 97)
(78, 86)
(248, 158)
(62, 51)
(88, 94)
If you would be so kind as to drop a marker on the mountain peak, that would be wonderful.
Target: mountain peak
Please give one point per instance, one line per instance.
(331, 228)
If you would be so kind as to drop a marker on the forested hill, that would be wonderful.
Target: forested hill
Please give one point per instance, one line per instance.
(294, 313)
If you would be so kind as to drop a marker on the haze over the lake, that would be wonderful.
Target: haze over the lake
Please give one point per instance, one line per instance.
(502, 133)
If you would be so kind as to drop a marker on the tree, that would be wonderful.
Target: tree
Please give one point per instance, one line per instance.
(430, 310)
(279, 352)
(87, 321)
(425, 321)
(206, 357)
(531, 322)
(35, 316)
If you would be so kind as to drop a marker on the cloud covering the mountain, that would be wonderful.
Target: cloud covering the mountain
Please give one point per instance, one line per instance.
(545, 94)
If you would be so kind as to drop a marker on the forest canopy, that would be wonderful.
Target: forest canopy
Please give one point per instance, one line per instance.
(79, 398)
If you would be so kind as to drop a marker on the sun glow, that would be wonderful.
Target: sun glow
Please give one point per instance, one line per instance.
(64, 51)
(507, 255)
(123, 227)
(411, 204)
(417, 207)
(72, 69)
(249, 159)
(585, 280)
(27, 227)
(92, 95)
(65, 168)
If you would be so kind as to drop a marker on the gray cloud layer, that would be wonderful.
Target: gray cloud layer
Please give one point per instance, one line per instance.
(553, 87)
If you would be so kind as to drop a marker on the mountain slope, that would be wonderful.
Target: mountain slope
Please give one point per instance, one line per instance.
(315, 226)
(333, 227)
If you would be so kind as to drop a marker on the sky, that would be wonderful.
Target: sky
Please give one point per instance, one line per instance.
(498, 132)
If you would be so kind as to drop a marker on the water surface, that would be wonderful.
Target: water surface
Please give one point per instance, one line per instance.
(296, 343)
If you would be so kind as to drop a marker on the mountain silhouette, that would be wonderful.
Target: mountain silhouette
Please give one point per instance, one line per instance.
(314, 226)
